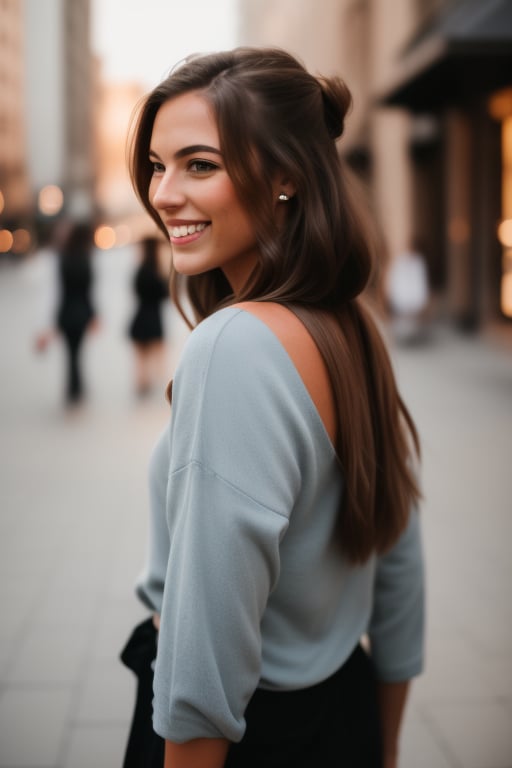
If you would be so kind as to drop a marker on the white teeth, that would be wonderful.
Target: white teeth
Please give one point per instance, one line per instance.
(185, 229)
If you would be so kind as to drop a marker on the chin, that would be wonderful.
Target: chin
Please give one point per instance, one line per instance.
(187, 270)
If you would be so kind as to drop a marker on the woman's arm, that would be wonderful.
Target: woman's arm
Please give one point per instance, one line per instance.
(198, 753)
(392, 698)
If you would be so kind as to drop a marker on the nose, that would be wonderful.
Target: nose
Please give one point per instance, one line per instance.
(166, 192)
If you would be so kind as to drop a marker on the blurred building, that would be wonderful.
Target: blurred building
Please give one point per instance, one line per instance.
(60, 92)
(122, 216)
(14, 186)
(115, 107)
(431, 130)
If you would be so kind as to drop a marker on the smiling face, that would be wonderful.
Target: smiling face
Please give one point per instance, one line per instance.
(194, 196)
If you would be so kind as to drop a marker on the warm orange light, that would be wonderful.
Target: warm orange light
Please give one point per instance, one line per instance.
(2, 201)
(506, 177)
(505, 233)
(50, 200)
(21, 240)
(6, 240)
(506, 294)
(500, 104)
(105, 238)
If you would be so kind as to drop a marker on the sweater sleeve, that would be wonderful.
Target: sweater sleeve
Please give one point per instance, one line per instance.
(231, 486)
(396, 629)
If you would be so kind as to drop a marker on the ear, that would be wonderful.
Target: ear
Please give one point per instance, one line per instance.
(283, 186)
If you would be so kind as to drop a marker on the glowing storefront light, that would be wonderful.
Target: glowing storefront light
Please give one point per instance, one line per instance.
(505, 228)
(50, 200)
(105, 238)
(500, 107)
(506, 294)
(21, 241)
(505, 233)
(6, 240)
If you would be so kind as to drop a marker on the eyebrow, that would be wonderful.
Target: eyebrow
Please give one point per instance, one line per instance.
(190, 151)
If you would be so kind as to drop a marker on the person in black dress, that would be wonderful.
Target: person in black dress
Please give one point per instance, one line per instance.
(146, 327)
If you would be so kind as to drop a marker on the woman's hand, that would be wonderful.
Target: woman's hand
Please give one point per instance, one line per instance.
(43, 340)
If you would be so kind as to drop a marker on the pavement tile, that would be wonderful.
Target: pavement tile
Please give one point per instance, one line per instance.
(113, 628)
(478, 734)
(67, 604)
(455, 669)
(15, 608)
(48, 654)
(418, 745)
(32, 726)
(107, 694)
(96, 746)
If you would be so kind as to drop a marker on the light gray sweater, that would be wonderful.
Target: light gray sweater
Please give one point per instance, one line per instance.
(244, 490)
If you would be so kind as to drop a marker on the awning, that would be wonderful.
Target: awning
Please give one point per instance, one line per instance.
(465, 52)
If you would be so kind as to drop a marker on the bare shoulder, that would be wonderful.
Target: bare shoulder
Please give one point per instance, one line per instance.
(303, 351)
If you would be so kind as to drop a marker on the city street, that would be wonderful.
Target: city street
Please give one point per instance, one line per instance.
(73, 516)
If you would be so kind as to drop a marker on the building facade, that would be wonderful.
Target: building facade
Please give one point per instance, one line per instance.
(430, 133)
(14, 183)
(60, 87)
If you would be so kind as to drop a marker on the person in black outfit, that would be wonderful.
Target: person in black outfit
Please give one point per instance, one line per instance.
(146, 327)
(75, 313)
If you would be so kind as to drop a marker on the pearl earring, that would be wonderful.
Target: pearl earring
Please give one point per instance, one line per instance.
(283, 197)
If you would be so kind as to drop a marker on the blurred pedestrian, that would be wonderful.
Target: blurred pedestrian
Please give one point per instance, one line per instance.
(408, 295)
(146, 329)
(284, 522)
(75, 313)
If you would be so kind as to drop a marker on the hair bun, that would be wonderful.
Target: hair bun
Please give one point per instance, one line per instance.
(337, 101)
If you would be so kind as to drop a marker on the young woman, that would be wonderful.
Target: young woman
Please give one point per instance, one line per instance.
(284, 525)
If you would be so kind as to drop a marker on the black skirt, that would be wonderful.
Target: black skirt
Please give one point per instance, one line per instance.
(334, 724)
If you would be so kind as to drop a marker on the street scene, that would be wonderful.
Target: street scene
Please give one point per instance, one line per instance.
(415, 101)
(74, 523)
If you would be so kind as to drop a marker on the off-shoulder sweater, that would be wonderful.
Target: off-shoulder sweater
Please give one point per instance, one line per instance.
(242, 563)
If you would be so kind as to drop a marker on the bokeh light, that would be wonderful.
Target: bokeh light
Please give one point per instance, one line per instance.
(505, 233)
(21, 240)
(50, 200)
(105, 237)
(6, 240)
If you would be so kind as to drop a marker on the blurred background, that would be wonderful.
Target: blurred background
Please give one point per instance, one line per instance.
(429, 140)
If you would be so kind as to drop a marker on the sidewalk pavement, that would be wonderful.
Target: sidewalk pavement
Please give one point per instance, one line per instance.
(73, 521)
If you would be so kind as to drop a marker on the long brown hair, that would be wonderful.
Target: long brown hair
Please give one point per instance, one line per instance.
(273, 116)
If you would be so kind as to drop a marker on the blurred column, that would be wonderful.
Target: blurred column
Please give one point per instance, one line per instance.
(391, 25)
(458, 179)
(59, 98)
(500, 107)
